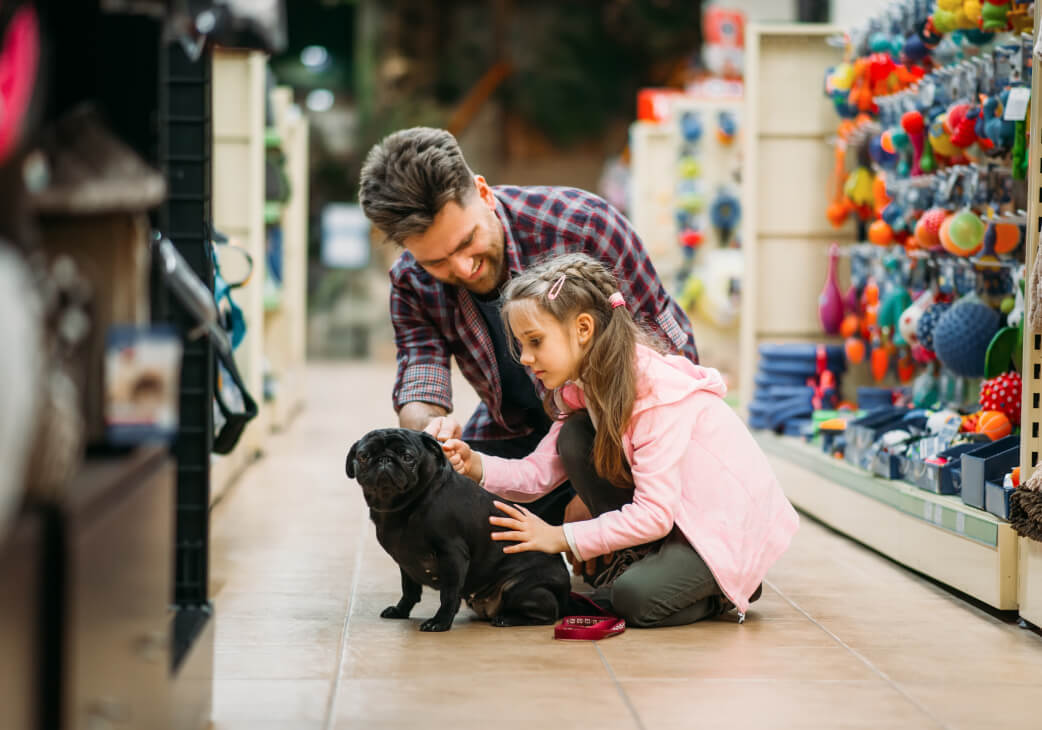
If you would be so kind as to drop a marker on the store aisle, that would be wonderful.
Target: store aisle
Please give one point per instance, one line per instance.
(841, 638)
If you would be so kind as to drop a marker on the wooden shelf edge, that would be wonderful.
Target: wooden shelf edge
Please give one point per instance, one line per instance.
(1029, 587)
(967, 549)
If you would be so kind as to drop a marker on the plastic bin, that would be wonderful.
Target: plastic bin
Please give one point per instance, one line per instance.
(988, 463)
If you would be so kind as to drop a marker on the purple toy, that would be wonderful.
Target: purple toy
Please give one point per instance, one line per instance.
(830, 303)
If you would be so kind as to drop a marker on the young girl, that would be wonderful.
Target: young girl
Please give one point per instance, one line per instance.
(673, 470)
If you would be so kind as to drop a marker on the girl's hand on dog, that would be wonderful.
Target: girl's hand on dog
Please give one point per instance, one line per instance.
(463, 459)
(527, 530)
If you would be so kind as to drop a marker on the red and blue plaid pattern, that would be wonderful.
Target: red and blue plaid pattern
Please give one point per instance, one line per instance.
(433, 321)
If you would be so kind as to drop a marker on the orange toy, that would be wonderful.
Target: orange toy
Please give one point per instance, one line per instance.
(855, 350)
(849, 326)
(1007, 237)
(880, 234)
(994, 425)
(880, 362)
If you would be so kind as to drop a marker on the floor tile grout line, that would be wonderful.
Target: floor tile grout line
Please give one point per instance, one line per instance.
(331, 703)
(619, 688)
(863, 659)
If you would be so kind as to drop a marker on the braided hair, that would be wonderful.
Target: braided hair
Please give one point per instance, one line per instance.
(608, 369)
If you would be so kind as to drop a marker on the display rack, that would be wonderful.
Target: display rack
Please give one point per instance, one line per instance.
(785, 163)
(965, 548)
(285, 322)
(787, 123)
(1030, 585)
(238, 212)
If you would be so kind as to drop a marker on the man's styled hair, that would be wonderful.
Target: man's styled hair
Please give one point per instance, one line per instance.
(409, 176)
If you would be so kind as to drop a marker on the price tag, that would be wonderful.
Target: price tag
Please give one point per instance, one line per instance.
(938, 514)
(960, 523)
(1017, 104)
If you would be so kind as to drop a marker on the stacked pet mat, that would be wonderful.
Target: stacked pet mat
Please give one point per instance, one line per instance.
(792, 381)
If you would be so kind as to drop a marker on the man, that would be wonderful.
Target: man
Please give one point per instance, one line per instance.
(462, 240)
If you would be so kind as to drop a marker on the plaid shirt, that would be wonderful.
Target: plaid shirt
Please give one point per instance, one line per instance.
(433, 321)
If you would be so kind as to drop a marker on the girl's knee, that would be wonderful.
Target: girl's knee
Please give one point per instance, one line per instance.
(630, 602)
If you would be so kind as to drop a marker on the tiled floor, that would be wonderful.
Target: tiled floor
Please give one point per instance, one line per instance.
(841, 639)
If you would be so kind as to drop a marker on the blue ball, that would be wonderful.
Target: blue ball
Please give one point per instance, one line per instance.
(962, 336)
(927, 323)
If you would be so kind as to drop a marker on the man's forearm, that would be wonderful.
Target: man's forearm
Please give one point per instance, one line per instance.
(417, 414)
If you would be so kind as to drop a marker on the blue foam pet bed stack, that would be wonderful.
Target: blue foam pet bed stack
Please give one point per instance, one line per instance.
(783, 401)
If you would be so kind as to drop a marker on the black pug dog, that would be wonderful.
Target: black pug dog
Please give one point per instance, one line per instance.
(434, 523)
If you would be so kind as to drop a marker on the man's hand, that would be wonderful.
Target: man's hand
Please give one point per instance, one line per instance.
(444, 428)
(416, 414)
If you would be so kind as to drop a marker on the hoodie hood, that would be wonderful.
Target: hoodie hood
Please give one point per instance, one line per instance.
(661, 379)
(664, 379)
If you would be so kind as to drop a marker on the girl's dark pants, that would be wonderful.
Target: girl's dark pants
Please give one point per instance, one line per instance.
(672, 585)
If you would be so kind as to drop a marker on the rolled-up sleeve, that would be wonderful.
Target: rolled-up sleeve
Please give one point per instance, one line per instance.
(423, 358)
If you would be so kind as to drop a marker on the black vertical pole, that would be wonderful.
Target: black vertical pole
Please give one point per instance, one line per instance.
(185, 143)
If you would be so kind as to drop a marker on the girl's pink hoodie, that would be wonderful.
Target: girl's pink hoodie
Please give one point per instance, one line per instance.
(694, 465)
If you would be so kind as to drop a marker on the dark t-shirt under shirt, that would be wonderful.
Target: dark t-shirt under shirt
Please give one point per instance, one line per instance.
(519, 393)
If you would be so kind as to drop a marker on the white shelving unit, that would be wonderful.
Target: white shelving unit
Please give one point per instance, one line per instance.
(285, 324)
(276, 335)
(786, 163)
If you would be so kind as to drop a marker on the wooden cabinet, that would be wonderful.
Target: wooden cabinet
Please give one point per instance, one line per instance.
(118, 577)
(21, 617)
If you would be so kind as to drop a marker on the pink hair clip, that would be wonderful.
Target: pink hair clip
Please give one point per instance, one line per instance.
(616, 300)
(556, 288)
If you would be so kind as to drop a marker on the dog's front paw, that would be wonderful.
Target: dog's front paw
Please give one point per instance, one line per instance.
(394, 612)
(436, 624)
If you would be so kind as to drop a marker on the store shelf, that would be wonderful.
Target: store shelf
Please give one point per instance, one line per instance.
(785, 161)
(1029, 585)
(965, 548)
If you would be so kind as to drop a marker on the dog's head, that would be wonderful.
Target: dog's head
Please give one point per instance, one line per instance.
(394, 465)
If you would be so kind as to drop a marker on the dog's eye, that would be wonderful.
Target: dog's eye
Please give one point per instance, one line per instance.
(362, 458)
(407, 456)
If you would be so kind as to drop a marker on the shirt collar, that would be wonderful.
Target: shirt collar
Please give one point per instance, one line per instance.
(511, 251)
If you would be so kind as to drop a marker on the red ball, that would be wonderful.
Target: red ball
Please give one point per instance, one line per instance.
(1002, 394)
(912, 122)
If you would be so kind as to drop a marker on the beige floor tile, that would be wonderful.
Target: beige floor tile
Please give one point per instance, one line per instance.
(397, 649)
(778, 705)
(955, 661)
(276, 661)
(257, 704)
(317, 604)
(982, 703)
(688, 656)
(467, 703)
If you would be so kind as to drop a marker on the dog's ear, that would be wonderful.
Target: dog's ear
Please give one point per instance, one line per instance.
(350, 466)
(433, 445)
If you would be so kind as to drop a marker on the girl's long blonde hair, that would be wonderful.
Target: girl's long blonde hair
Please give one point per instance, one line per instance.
(608, 369)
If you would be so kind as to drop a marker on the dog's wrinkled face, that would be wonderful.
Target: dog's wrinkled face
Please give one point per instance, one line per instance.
(394, 465)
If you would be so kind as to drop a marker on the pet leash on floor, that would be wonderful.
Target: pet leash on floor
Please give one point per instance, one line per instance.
(601, 625)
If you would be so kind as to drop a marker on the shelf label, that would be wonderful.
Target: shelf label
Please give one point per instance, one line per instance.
(1017, 104)
(960, 523)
